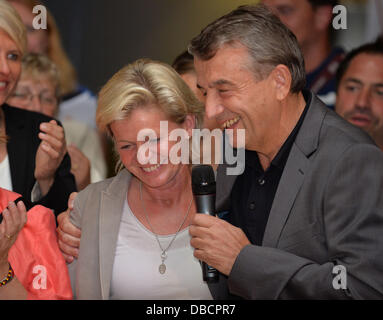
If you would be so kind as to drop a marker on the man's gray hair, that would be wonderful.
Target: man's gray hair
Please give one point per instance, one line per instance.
(268, 40)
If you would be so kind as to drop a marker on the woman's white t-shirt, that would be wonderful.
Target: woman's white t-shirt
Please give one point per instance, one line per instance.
(137, 259)
(5, 174)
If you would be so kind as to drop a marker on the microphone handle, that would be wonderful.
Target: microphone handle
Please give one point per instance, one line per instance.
(206, 205)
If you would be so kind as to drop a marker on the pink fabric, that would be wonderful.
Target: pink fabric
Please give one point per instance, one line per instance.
(35, 256)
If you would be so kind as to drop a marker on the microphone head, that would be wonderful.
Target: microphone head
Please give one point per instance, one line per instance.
(203, 180)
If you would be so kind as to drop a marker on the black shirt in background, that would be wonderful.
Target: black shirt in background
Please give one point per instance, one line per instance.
(254, 190)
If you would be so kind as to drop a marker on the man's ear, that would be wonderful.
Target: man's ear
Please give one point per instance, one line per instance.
(282, 79)
(323, 17)
(189, 124)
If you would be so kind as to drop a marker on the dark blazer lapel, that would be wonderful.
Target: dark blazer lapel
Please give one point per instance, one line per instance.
(112, 203)
(297, 165)
(289, 186)
(225, 180)
(224, 184)
(17, 148)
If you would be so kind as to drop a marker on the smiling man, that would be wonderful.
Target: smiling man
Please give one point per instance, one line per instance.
(360, 89)
(295, 215)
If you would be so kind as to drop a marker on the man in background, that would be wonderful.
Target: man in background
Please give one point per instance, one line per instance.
(360, 89)
(311, 23)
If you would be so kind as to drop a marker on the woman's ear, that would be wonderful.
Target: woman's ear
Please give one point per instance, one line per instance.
(189, 124)
(282, 81)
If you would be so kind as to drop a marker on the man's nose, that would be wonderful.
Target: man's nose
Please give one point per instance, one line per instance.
(35, 104)
(213, 105)
(363, 99)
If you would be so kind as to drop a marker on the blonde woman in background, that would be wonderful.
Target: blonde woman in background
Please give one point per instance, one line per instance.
(77, 103)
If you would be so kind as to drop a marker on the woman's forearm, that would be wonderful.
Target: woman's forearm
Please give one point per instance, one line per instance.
(12, 290)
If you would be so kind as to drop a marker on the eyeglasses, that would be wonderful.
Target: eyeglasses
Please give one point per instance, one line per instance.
(25, 96)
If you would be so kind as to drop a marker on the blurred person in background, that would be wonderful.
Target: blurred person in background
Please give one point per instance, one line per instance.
(184, 65)
(38, 90)
(311, 23)
(77, 102)
(360, 89)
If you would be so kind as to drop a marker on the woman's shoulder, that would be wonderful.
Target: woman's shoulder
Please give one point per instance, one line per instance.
(113, 185)
(89, 201)
(95, 189)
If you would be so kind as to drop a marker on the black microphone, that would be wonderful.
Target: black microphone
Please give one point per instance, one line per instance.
(203, 186)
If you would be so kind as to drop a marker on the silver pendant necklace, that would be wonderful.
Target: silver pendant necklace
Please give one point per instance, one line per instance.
(164, 252)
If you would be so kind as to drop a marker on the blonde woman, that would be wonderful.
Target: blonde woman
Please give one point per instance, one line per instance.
(134, 227)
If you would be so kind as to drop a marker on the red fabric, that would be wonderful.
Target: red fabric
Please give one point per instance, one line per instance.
(35, 256)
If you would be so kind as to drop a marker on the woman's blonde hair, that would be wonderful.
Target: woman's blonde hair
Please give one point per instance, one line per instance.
(11, 23)
(146, 82)
(55, 51)
(3, 137)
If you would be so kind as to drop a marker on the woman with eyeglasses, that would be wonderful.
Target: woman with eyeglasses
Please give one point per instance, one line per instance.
(39, 90)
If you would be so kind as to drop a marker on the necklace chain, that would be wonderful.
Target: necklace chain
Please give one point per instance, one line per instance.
(162, 267)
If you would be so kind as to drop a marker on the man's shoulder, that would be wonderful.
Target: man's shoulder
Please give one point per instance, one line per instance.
(341, 145)
(337, 131)
(331, 129)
